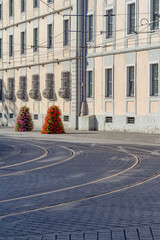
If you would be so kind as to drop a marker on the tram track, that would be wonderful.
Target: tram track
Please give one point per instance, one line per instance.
(85, 198)
(33, 160)
(28, 161)
(77, 200)
(137, 161)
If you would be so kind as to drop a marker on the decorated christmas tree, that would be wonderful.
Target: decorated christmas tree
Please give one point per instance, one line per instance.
(53, 123)
(24, 120)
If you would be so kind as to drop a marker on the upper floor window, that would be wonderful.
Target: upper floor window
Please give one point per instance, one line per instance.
(35, 39)
(66, 33)
(10, 8)
(130, 81)
(154, 14)
(49, 36)
(108, 82)
(89, 84)
(49, 1)
(131, 19)
(1, 89)
(35, 3)
(0, 47)
(154, 75)
(22, 42)
(90, 28)
(109, 23)
(22, 5)
(10, 45)
(0, 11)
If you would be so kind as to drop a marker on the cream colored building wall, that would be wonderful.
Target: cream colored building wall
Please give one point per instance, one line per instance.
(35, 62)
(99, 86)
(52, 60)
(119, 84)
(120, 24)
(142, 86)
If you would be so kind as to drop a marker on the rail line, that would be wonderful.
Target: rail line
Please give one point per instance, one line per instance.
(28, 161)
(39, 168)
(93, 196)
(81, 199)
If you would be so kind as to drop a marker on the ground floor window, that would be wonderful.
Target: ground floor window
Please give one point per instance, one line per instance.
(130, 81)
(154, 75)
(89, 84)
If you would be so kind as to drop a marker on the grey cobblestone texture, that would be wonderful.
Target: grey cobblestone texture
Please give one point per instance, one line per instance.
(48, 196)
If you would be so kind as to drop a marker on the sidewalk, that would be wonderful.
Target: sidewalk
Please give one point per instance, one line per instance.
(87, 136)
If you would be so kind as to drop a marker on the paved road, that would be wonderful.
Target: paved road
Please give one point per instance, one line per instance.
(75, 184)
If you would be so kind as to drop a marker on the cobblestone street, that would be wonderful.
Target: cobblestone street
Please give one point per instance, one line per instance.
(79, 186)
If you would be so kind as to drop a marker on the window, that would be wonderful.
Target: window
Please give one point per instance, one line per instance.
(35, 39)
(1, 89)
(49, 1)
(11, 8)
(35, 116)
(108, 82)
(34, 92)
(0, 11)
(155, 14)
(154, 79)
(21, 93)
(0, 47)
(90, 84)
(22, 42)
(130, 81)
(22, 5)
(35, 3)
(130, 120)
(90, 28)
(131, 18)
(66, 118)
(48, 91)
(66, 34)
(109, 23)
(64, 91)
(49, 38)
(10, 89)
(11, 46)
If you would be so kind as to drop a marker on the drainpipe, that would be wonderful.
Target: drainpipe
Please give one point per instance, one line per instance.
(81, 58)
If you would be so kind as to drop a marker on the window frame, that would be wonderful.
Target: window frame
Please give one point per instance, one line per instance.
(109, 23)
(11, 8)
(49, 36)
(11, 45)
(35, 3)
(108, 82)
(1, 12)
(35, 39)
(23, 37)
(152, 92)
(90, 28)
(1, 89)
(90, 84)
(66, 32)
(0, 48)
(154, 18)
(131, 81)
(23, 6)
(131, 20)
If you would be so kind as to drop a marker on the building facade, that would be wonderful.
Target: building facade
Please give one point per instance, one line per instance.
(98, 60)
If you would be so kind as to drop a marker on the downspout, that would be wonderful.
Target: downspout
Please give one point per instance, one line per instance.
(79, 70)
(84, 54)
(77, 75)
